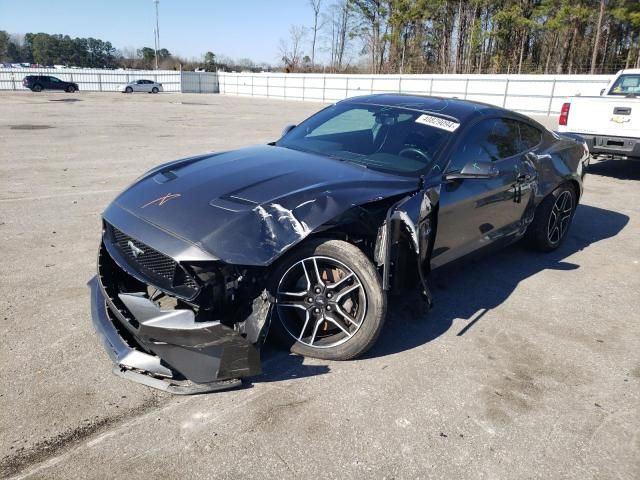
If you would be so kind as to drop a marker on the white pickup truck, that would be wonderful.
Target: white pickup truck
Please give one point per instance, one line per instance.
(610, 123)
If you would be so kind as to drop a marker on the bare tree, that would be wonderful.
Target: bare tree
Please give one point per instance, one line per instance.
(315, 6)
(130, 57)
(343, 31)
(374, 16)
(338, 28)
(291, 50)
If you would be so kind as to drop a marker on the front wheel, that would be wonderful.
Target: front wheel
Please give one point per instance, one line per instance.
(128, 90)
(552, 219)
(37, 88)
(329, 301)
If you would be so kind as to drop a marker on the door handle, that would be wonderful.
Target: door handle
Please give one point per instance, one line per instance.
(532, 156)
(521, 179)
(622, 111)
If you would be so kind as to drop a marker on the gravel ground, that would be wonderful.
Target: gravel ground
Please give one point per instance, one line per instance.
(528, 366)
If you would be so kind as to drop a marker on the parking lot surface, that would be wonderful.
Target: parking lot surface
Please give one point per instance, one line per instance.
(528, 366)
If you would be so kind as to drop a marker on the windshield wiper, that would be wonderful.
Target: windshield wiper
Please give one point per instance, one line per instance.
(349, 160)
(324, 154)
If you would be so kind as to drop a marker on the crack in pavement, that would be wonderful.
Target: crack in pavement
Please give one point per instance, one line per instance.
(49, 447)
(50, 451)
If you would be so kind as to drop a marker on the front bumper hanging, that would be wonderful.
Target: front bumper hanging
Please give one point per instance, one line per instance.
(169, 350)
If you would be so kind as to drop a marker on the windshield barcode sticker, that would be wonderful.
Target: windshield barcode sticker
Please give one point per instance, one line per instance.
(438, 122)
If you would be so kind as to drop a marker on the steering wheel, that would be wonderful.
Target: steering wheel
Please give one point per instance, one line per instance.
(415, 152)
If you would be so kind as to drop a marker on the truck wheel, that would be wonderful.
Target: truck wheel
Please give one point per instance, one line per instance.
(328, 301)
(552, 219)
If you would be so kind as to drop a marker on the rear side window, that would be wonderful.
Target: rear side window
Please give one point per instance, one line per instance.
(530, 136)
(626, 85)
(489, 141)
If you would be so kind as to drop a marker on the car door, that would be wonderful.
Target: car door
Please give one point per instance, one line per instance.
(477, 212)
(46, 82)
(55, 84)
(147, 85)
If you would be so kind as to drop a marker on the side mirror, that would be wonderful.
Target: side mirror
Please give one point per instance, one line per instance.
(602, 92)
(474, 170)
(287, 129)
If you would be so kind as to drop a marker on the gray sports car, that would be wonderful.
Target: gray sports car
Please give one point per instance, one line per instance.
(304, 237)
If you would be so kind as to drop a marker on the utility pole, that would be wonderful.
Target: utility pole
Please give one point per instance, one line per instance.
(156, 33)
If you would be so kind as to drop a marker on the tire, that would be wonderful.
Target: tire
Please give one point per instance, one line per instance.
(354, 292)
(71, 89)
(128, 90)
(552, 219)
(154, 90)
(37, 88)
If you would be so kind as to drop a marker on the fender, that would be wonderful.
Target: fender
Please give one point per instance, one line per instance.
(416, 216)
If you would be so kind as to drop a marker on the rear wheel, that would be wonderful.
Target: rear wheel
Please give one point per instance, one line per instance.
(71, 89)
(329, 301)
(37, 88)
(154, 90)
(552, 219)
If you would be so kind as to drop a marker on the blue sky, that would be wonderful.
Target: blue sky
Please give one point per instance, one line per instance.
(236, 28)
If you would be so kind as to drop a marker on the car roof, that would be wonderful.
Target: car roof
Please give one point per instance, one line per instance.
(455, 108)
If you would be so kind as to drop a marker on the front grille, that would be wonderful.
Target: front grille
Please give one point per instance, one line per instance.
(149, 258)
(168, 273)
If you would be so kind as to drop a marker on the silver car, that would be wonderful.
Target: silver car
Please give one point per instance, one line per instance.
(148, 86)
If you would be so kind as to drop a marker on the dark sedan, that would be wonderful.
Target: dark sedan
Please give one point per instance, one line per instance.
(305, 237)
(37, 83)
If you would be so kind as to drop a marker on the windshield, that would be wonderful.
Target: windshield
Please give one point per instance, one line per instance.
(626, 85)
(394, 140)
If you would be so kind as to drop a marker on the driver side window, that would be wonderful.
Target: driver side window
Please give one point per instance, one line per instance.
(489, 141)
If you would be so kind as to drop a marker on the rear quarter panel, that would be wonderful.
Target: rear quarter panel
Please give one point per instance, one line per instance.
(562, 160)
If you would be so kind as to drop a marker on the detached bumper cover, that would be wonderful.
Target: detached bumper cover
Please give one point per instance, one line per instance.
(169, 350)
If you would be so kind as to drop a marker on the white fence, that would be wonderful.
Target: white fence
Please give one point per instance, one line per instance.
(96, 80)
(534, 94)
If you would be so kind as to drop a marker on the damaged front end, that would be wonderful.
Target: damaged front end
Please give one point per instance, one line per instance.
(182, 327)
(180, 299)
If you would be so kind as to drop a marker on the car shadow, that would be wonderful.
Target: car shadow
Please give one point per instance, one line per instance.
(279, 365)
(467, 291)
(620, 169)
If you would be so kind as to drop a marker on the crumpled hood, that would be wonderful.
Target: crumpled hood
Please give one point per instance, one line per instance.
(248, 206)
